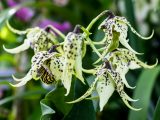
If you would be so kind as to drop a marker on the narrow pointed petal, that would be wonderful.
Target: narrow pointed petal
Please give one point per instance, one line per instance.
(125, 44)
(16, 79)
(14, 30)
(129, 106)
(18, 49)
(129, 98)
(88, 92)
(135, 32)
(125, 82)
(149, 66)
(137, 64)
(105, 89)
(23, 80)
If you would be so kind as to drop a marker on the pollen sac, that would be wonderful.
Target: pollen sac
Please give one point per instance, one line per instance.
(36, 38)
(72, 59)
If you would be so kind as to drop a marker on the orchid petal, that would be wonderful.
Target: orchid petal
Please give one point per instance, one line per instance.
(23, 80)
(124, 20)
(105, 89)
(125, 44)
(78, 62)
(137, 63)
(73, 59)
(125, 82)
(135, 32)
(129, 106)
(88, 92)
(16, 31)
(18, 49)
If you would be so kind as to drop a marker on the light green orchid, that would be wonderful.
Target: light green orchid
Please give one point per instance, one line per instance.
(111, 76)
(56, 61)
(115, 29)
(40, 69)
(122, 60)
(36, 38)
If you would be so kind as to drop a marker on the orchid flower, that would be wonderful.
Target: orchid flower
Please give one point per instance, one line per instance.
(36, 38)
(111, 76)
(38, 69)
(115, 29)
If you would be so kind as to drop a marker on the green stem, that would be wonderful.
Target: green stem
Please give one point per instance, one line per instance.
(95, 19)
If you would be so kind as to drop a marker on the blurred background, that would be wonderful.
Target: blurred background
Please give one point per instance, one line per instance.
(24, 103)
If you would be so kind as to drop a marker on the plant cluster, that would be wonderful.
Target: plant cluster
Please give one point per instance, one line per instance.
(56, 62)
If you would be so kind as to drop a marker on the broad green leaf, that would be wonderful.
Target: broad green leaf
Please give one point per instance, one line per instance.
(157, 111)
(143, 93)
(84, 109)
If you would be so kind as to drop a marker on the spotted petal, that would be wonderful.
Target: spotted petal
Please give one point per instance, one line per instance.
(120, 88)
(78, 61)
(122, 19)
(134, 62)
(105, 89)
(73, 59)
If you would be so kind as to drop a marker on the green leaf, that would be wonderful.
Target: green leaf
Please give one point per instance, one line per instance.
(157, 111)
(143, 92)
(54, 102)
(46, 109)
(83, 110)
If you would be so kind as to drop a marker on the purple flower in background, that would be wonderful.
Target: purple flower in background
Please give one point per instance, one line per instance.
(24, 14)
(63, 27)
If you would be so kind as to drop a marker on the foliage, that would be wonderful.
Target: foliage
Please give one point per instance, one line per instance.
(27, 102)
